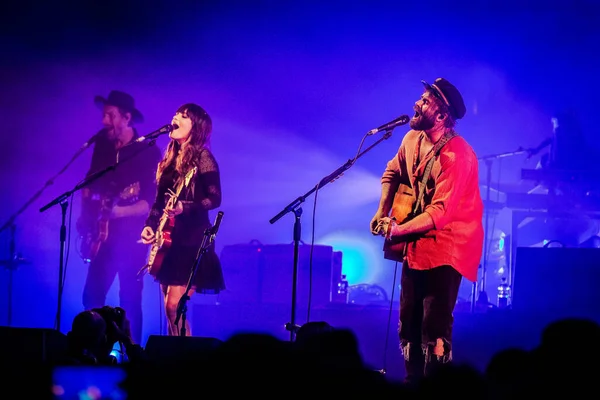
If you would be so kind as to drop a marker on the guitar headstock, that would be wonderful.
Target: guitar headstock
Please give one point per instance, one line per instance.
(190, 175)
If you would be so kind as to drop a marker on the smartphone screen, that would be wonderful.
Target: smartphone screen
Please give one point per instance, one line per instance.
(88, 382)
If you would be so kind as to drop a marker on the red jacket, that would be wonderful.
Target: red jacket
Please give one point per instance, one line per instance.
(453, 201)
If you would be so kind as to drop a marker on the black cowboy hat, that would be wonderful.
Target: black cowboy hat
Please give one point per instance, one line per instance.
(122, 100)
(449, 95)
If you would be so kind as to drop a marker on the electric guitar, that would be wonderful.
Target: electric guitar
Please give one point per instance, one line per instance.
(163, 240)
(94, 222)
(402, 209)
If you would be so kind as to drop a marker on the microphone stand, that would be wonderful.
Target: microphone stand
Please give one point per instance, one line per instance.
(295, 208)
(489, 159)
(64, 204)
(11, 264)
(14, 259)
(207, 241)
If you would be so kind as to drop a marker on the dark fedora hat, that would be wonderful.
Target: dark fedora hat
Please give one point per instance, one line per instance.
(122, 100)
(448, 94)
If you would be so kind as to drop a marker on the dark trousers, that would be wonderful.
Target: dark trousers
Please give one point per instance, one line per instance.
(123, 257)
(427, 300)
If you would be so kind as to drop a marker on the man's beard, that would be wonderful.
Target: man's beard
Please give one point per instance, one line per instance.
(111, 133)
(114, 133)
(422, 122)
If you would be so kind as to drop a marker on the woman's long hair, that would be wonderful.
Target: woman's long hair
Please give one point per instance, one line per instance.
(186, 156)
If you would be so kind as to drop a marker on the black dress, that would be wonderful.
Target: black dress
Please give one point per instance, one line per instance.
(201, 195)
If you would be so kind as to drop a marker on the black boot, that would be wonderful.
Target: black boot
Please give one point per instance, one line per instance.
(414, 363)
(434, 362)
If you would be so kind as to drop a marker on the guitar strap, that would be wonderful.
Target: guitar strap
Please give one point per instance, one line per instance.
(423, 183)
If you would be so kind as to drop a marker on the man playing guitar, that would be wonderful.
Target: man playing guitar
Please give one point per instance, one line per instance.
(110, 230)
(435, 227)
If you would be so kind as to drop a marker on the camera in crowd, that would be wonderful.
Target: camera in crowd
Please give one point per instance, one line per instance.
(110, 315)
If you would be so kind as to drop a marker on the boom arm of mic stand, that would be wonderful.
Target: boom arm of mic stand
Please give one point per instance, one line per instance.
(294, 207)
(91, 178)
(328, 179)
(520, 150)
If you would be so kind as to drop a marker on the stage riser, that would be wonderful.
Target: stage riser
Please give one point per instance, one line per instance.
(477, 337)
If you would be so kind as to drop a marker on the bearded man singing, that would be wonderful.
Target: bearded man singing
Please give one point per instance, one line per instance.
(442, 237)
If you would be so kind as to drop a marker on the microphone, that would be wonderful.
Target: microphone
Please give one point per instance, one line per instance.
(161, 131)
(401, 120)
(93, 139)
(217, 224)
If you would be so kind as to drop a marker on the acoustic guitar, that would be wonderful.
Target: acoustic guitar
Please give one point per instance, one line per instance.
(163, 240)
(94, 223)
(402, 209)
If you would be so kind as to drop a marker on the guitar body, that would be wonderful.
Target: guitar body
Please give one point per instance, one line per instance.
(94, 223)
(93, 227)
(404, 205)
(160, 247)
(90, 245)
(92, 241)
(163, 240)
(401, 211)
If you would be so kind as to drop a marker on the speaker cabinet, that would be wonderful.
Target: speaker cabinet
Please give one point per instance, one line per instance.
(243, 273)
(35, 345)
(560, 282)
(256, 273)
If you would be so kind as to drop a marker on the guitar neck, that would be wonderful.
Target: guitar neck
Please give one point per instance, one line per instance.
(165, 217)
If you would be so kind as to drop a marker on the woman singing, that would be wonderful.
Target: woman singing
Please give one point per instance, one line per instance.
(187, 150)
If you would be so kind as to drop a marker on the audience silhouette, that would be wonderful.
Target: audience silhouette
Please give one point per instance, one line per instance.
(322, 360)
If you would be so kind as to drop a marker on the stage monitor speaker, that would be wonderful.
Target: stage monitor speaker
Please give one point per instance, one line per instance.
(278, 274)
(242, 270)
(179, 348)
(561, 282)
(34, 345)
(257, 273)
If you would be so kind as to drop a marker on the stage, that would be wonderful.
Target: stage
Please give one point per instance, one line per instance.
(477, 335)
